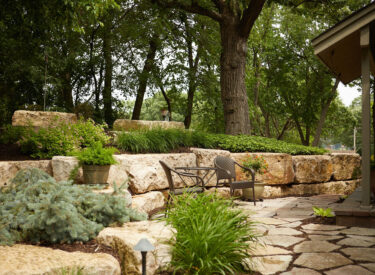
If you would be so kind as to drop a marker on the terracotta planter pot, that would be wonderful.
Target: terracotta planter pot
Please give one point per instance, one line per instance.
(95, 174)
(248, 192)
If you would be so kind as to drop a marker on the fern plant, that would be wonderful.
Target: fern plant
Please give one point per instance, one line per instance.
(97, 155)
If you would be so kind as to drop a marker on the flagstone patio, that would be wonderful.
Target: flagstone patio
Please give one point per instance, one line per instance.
(290, 246)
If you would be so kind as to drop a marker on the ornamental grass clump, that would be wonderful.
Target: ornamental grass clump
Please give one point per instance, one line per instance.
(210, 237)
(35, 208)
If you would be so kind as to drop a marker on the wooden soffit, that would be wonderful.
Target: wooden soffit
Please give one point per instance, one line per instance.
(339, 47)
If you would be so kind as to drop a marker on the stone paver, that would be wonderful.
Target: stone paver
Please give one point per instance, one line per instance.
(349, 270)
(271, 264)
(324, 237)
(270, 221)
(282, 240)
(291, 225)
(300, 271)
(360, 254)
(315, 246)
(333, 233)
(370, 267)
(320, 249)
(319, 261)
(359, 231)
(322, 227)
(267, 250)
(355, 242)
(284, 231)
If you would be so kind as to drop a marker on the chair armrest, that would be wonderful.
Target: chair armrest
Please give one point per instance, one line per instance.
(247, 169)
(190, 175)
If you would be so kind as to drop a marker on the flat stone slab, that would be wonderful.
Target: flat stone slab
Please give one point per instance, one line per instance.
(360, 254)
(359, 231)
(322, 227)
(320, 261)
(282, 240)
(300, 271)
(355, 242)
(29, 259)
(370, 267)
(284, 231)
(365, 238)
(318, 232)
(315, 246)
(291, 225)
(267, 250)
(349, 270)
(271, 221)
(324, 237)
(271, 264)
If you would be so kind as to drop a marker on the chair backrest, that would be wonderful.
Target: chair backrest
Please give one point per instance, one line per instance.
(168, 173)
(227, 164)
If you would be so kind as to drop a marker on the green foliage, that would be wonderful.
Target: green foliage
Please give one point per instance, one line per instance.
(97, 155)
(36, 208)
(10, 134)
(321, 212)
(256, 163)
(61, 139)
(210, 237)
(160, 141)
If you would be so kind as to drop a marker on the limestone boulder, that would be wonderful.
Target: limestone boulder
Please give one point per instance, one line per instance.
(148, 202)
(310, 169)
(146, 174)
(280, 167)
(346, 166)
(127, 124)
(28, 259)
(8, 169)
(123, 239)
(41, 119)
(205, 158)
(329, 188)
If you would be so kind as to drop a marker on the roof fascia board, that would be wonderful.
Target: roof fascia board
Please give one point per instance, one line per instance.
(342, 33)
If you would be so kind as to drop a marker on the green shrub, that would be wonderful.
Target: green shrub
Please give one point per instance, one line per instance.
(96, 154)
(321, 212)
(61, 139)
(10, 134)
(162, 141)
(210, 237)
(35, 208)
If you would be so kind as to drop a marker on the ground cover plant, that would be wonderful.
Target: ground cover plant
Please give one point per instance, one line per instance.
(161, 141)
(35, 208)
(61, 139)
(211, 237)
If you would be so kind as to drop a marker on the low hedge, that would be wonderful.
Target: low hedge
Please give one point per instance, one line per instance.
(163, 141)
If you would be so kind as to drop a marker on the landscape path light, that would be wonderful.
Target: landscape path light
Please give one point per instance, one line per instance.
(144, 246)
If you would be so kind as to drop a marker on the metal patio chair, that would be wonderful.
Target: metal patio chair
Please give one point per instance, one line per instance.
(226, 170)
(196, 187)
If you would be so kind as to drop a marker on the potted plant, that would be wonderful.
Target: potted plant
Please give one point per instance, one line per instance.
(260, 166)
(96, 161)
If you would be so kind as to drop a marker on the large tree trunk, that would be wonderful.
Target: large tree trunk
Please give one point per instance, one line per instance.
(107, 90)
(143, 78)
(324, 112)
(65, 95)
(232, 79)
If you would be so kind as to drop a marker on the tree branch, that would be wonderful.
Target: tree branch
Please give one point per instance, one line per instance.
(250, 14)
(194, 7)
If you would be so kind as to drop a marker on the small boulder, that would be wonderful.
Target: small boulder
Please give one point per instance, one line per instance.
(41, 119)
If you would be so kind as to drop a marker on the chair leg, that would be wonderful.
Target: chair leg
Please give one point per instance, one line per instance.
(254, 195)
(231, 191)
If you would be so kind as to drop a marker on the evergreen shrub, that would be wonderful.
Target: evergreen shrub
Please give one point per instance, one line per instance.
(166, 140)
(35, 208)
(210, 237)
(61, 139)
